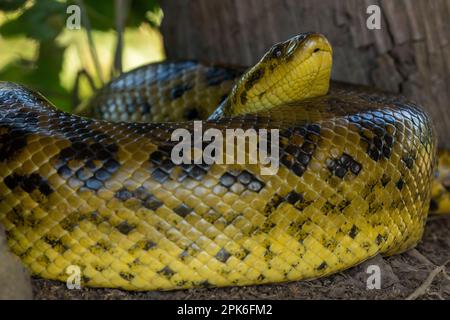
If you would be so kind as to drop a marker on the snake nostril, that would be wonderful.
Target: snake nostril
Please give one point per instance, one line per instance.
(316, 50)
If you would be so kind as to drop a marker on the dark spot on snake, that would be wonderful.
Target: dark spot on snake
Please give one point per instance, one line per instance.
(243, 97)
(292, 149)
(102, 175)
(400, 183)
(179, 90)
(273, 203)
(149, 245)
(355, 167)
(192, 114)
(223, 255)
(308, 147)
(254, 78)
(353, 232)
(298, 169)
(379, 239)
(53, 242)
(304, 159)
(157, 157)
(245, 177)
(182, 210)
(287, 160)
(227, 180)
(126, 276)
(293, 197)
(111, 165)
(409, 161)
(340, 171)
(167, 165)
(28, 183)
(166, 272)
(385, 180)
(216, 75)
(123, 194)
(11, 143)
(152, 203)
(197, 173)
(64, 171)
(315, 128)
(125, 228)
(146, 108)
(374, 153)
(93, 184)
(159, 175)
(255, 185)
(83, 174)
(322, 266)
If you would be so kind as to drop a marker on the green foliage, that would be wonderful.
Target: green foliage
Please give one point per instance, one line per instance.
(11, 5)
(43, 21)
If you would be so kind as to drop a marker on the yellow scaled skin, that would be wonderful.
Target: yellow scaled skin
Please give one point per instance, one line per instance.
(354, 180)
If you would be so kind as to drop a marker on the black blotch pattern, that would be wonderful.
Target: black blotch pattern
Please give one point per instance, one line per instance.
(243, 97)
(93, 148)
(339, 167)
(353, 232)
(216, 75)
(294, 198)
(126, 276)
(227, 180)
(297, 157)
(254, 78)
(381, 143)
(17, 127)
(182, 210)
(400, 183)
(125, 228)
(223, 255)
(246, 178)
(148, 200)
(166, 272)
(164, 166)
(192, 114)
(322, 266)
(28, 183)
(179, 90)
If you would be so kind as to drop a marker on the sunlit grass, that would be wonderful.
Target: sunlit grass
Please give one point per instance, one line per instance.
(141, 46)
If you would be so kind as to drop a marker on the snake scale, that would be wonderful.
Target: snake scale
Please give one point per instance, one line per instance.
(355, 176)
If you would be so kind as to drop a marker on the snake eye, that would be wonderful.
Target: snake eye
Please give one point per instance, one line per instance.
(277, 51)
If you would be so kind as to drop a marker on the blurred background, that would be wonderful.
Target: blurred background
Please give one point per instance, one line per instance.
(38, 50)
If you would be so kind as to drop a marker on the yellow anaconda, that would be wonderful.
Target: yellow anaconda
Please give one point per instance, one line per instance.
(355, 174)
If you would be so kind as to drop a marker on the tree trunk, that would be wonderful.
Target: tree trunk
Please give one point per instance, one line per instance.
(410, 54)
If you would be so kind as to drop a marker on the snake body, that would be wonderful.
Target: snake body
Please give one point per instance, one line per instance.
(356, 167)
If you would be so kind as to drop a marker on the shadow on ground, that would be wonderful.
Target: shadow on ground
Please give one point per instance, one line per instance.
(419, 272)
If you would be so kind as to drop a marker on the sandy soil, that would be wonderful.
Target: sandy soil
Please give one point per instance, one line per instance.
(419, 272)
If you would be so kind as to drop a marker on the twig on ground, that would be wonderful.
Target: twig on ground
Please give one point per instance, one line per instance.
(423, 288)
(420, 257)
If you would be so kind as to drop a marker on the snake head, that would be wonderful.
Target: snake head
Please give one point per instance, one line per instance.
(293, 70)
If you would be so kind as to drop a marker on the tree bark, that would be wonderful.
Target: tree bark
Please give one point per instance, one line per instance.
(410, 54)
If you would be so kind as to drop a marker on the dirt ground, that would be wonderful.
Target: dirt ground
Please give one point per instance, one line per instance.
(419, 273)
